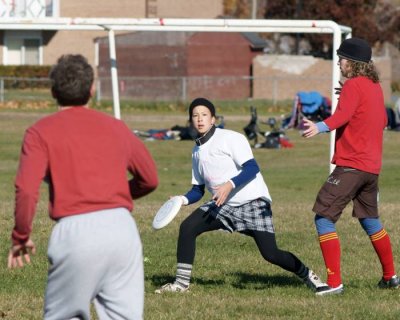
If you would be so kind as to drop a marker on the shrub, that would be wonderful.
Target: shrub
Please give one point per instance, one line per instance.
(25, 76)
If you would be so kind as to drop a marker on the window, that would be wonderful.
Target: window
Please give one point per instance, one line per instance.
(22, 48)
(29, 8)
(31, 51)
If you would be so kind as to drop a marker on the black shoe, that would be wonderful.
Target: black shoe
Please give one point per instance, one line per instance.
(393, 283)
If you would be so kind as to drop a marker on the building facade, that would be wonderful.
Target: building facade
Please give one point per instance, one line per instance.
(181, 65)
(19, 47)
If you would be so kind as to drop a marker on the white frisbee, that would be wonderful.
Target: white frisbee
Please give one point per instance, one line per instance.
(167, 212)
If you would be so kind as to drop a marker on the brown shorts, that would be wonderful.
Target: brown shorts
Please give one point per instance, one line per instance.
(346, 184)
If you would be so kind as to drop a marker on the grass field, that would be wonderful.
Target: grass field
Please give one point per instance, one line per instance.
(230, 279)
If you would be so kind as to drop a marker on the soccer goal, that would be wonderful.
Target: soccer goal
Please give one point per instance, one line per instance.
(111, 25)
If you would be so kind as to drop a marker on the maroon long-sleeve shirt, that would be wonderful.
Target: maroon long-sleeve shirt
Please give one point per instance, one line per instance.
(360, 119)
(85, 155)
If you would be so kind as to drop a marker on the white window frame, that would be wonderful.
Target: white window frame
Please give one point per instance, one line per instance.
(24, 35)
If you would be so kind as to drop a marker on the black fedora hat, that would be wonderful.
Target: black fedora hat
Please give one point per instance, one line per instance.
(355, 49)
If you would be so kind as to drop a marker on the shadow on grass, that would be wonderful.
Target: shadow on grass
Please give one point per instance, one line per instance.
(238, 280)
(159, 280)
(261, 282)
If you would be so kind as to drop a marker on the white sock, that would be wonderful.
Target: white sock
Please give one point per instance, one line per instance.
(183, 274)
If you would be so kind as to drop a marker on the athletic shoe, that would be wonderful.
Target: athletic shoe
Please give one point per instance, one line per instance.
(171, 287)
(327, 290)
(393, 283)
(313, 281)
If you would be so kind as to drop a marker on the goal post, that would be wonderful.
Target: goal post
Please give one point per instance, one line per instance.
(111, 25)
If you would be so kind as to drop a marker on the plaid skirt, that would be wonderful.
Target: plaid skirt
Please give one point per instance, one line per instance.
(255, 215)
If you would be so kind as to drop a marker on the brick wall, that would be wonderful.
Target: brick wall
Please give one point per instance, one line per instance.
(201, 9)
(280, 77)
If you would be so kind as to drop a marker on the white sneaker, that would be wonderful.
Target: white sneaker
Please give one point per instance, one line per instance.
(327, 290)
(171, 287)
(313, 281)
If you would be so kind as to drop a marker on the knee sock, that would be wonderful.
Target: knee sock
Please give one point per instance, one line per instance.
(183, 274)
(381, 242)
(383, 248)
(330, 247)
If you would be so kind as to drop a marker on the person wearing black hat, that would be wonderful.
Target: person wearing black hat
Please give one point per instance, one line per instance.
(222, 162)
(359, 120)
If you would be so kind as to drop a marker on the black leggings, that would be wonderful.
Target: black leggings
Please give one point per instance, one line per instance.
(199, 222)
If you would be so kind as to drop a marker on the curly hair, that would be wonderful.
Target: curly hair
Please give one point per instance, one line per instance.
(366, 69)
(71, 80)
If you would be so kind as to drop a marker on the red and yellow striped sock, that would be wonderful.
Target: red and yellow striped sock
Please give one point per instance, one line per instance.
(330, 247)
(383, 248)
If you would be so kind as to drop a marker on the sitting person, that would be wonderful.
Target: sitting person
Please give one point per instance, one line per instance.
(311, 105)
(177, 132)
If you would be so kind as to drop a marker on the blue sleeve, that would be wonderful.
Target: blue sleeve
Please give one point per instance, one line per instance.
(196, 193)
(249, 171)
(322, 127)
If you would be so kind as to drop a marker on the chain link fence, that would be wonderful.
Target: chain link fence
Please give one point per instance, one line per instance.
(229, 88)
(12, 88)
(274, 88)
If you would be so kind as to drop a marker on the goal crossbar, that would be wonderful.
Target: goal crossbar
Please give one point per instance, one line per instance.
(111, 25)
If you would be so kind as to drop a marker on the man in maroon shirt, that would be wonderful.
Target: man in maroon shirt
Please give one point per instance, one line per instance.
(359, 120)
(95, 252)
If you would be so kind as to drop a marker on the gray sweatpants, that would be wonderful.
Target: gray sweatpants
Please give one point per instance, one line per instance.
(95, 257)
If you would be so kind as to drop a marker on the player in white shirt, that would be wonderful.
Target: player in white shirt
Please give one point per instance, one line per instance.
(223, 162)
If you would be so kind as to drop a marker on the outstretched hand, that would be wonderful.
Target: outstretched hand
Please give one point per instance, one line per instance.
(20, 253)
(338, 90)
(311, 130)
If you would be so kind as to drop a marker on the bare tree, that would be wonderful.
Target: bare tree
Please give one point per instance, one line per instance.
(376, 21)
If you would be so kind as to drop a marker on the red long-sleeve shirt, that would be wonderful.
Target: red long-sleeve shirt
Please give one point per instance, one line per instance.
(85, 156)
(360, 119)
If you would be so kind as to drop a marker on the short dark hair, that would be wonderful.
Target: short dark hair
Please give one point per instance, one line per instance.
(201, 102)
(71, 80)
